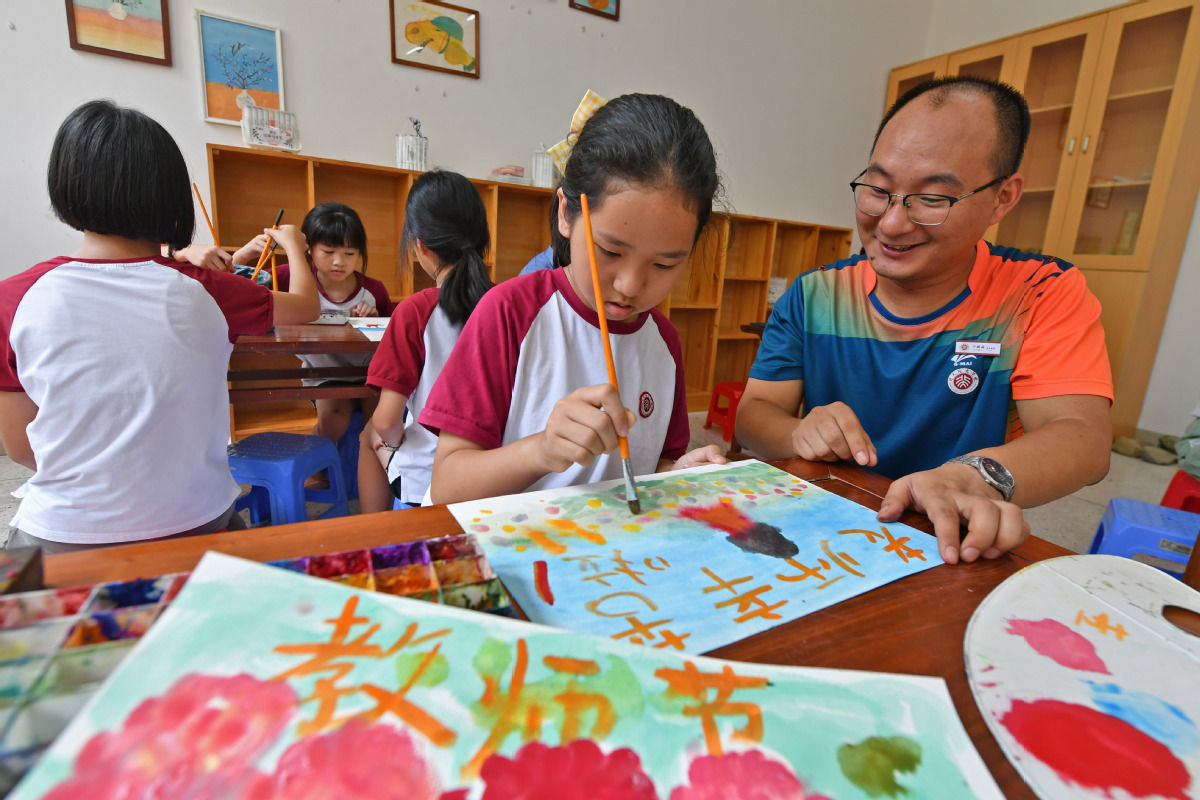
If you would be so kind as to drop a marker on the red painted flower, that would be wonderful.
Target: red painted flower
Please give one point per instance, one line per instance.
(575, 771)
(356, 760)
(740, 776)
(197, 740)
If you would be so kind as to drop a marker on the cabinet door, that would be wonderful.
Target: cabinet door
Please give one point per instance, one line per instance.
(901, 79)
(1054, 69)
(995, 61)
(1132, 135)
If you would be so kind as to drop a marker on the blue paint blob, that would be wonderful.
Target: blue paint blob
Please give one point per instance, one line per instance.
(1149, 714)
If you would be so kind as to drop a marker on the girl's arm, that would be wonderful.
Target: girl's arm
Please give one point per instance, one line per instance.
(16, 412)
(709, 454)
(208, 256)
(580, 427)
(249, 252)
(300, 303)
(387, 424)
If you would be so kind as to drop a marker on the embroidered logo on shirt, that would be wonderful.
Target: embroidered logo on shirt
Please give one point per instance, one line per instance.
(963, 381)
(645, 405)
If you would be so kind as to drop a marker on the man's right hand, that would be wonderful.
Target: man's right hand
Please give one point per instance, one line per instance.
(833, 433)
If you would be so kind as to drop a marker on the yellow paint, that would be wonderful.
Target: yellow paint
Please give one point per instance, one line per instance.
(632, 526)
(520, 548)
(508, 528)
(595, 502)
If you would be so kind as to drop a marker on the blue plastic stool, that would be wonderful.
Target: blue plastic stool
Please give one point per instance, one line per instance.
(347, 448)
(1130, 527)
(275, 465)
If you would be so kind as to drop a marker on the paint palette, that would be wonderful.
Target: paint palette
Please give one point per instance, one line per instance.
(56, 647)
(452, 570)
(1089, 690)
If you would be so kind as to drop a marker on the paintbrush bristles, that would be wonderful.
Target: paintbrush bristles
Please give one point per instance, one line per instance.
(631, 492)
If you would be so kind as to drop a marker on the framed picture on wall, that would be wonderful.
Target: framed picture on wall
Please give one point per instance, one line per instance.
(241, 64)
(134, 29)
(603, 8)
(437, 36)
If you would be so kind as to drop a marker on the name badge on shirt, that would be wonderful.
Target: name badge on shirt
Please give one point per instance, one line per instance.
(972, 347)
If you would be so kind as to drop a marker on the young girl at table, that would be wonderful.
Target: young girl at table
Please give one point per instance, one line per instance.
(113, 368)
(337, 258)
(524, 400)
(446, 230)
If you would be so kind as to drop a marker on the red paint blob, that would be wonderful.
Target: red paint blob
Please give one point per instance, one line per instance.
(1095, 750)
(541, 582)
(575, 770)
(722, 516)
(740, 776)
(1055, 640)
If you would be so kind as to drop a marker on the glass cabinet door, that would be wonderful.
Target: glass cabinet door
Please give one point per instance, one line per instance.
(901, 79)
(1054, 70)
(1121, 146)
(995, 61)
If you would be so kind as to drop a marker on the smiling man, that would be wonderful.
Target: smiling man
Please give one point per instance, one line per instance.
(973, 374)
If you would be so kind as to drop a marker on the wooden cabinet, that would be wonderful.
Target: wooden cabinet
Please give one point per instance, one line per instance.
(904, 78)
(1110, 184)
(726, 285)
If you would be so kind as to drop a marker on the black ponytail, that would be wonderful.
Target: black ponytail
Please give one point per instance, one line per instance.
(445, 212)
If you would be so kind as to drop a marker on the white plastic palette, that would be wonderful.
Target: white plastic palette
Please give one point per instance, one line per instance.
(1089, 690)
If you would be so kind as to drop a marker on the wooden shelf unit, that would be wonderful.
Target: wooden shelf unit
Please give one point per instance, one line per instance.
(725, 287)
(1110, 180)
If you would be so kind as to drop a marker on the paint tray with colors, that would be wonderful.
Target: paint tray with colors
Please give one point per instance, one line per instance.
(1088, 687)
(452, 570)
(56, 647)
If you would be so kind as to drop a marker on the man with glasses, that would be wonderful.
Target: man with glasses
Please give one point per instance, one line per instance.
(975, 375)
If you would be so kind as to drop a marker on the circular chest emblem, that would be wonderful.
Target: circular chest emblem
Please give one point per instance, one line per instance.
(645, 405)
(963, 381)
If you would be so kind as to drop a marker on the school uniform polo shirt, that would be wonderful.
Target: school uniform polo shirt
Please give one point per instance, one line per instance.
(933, 387)
(529, 343)
(126, 362)
(414, 349)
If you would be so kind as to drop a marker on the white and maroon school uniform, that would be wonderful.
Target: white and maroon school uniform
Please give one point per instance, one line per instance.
(126, 362)
(529, 343)
(367, 290)
(414, 350)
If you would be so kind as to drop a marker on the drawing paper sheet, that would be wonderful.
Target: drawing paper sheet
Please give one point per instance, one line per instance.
(371, 327)
(1089, 690)
(719, 553)
(261, 682)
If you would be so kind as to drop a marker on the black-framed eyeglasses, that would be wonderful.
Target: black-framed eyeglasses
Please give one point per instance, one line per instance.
(922, 208)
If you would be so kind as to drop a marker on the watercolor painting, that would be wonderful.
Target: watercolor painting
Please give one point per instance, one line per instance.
(717, 554)
(1089, 690)
(135, 29)
(241, 65)
(610, 9)
(435, 35)
(262, 683)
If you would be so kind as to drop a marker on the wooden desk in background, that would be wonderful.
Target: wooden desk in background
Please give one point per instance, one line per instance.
(265, 390)
(915, 625)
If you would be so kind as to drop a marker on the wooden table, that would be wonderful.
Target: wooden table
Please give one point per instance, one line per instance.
(915, 625)
(255, 358)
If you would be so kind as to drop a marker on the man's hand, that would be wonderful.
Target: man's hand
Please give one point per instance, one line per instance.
(954, 492)
(833, 433)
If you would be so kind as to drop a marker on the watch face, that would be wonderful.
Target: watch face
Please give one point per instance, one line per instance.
(996, 471)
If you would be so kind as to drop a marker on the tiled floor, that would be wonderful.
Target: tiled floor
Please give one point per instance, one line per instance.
(1070, 522)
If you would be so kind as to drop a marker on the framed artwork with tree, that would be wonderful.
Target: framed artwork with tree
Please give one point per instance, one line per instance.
(134, 29)
(241, 65)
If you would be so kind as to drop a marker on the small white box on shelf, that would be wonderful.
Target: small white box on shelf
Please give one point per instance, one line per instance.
(270, 128)
(411, 151)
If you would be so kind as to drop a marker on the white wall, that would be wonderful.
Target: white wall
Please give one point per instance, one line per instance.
(789, 91)
(1175, 382)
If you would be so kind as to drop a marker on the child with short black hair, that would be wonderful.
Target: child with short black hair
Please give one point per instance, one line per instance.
(113, 369)
(524, 400)
(446, 230)
(337, 258)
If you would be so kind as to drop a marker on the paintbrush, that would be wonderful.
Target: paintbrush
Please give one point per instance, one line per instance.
(207, 219)
(631, 492)
(262, 259)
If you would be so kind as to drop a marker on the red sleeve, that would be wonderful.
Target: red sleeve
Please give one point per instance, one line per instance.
(400, 357)
(473, 394)
(679, 432)
(247, 306)
(383, 303)
(1063, 351)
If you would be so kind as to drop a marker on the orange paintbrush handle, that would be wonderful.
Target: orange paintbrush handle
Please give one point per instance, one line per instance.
(200, 200)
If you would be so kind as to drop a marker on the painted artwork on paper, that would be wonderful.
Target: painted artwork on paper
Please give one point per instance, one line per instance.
(1090, 691)
(241, 65)
(259, 682)
(718, 554)
(135, 29)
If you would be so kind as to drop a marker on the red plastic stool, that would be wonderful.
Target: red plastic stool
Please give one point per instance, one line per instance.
(724, 416)
(1182, 493)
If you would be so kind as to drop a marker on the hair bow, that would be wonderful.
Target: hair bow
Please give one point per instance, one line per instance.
(587, 106)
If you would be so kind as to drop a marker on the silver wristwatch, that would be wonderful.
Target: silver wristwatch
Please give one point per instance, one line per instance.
(993, 472)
